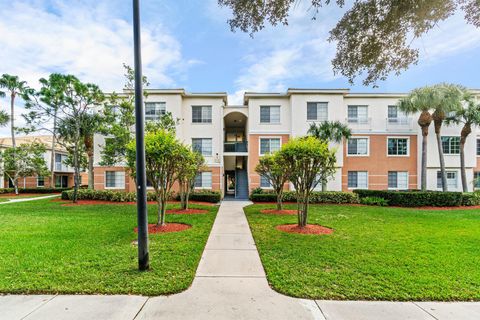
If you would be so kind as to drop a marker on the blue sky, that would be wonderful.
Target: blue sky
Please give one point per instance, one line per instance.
(188, 44)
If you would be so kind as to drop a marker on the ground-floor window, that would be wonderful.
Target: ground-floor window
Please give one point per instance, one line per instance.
(115, 179)
(40, 181)
(451, 179)
(476, 180)
(358, 179)
(265, 182)
(203, 180)
(398, 180)
(61, 181)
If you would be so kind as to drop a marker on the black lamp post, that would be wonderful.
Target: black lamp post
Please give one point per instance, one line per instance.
(142, 216)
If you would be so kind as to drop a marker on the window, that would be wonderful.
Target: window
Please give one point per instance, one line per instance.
(398, 180)
(60, 162)
(265, 182)
(115, 179)
(451, 179)
(358, 114)
(478, 147)
(476, 180)
(397, 146)
(154, 110)
(202, 114)
(269, 114)
(203, 180)
(451, 145)
(358, 179)
(202, 145)
(396, 116)
(40, 181)
(269, 145)
(61, 181)
(357, 146)
(317, 111)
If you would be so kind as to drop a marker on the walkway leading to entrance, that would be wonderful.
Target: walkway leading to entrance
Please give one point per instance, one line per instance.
(230, 283)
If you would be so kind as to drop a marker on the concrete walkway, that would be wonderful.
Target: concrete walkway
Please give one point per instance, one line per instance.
(30, 199)
(230, 284)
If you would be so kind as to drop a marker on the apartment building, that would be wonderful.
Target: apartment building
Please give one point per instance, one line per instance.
(383, 153)
(63, 173)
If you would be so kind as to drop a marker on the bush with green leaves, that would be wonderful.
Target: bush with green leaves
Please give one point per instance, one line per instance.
(471, 199)
(334, 197)
(33, 190)
(415, 198)
(374, 201)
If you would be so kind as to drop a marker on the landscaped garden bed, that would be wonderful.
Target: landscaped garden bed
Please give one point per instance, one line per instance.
(373, 253)
(49, 248)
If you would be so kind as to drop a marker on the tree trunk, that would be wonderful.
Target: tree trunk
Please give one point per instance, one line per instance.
(91, 174)
(159, 209)
(163, 210)
(466, 130)
(279, 200)
(12, 131)
(305, 212)
(442, 161)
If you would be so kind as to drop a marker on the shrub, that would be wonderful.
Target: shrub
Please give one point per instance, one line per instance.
(122, 196)
(374, 201)
(33, 190)
(415, 198)
(471, 199)
(337, 197)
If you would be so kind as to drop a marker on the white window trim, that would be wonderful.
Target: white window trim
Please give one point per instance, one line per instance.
(477, 138)
(200, 123)
(270, 123)
(398, 155)
(206, 188)
(456, 154)
(264, 188)
(316, 120)
(457, 175)
(355, 188)
(260, 144)
(211, 139)
(113, 188)
(43, 183)
(368, 147)
(359, 105)
(408, 181)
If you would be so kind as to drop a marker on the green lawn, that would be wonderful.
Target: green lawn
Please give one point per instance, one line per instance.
(374, 253)
(49, 248)
(7, 197)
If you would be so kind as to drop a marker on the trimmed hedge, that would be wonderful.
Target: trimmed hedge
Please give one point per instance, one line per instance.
(374, 201)
(336, 197)
(33, 190)
(122, 196)
(422, 198)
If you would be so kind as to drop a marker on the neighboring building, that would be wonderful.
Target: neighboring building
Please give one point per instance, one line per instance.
(63, 173)
(384, 152)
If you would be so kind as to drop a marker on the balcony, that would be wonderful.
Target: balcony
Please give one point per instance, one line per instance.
(360, 123)
(235, 147)
(399, 124)
(60, 167)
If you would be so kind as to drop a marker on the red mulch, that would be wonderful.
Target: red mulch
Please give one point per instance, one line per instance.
(187, 211)
(279, 212)
(308, 229)
(95, 202)
(169, 227)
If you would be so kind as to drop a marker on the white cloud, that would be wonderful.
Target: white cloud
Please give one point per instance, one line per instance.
(84, 38)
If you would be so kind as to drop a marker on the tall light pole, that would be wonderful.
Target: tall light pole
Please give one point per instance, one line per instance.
(142, 215)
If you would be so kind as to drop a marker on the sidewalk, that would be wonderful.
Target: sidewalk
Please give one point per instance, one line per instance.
(230, 284)
(30, 199)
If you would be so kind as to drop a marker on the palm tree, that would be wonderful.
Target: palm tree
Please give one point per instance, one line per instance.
(331, 131)
(4, 118)
(446, 98)
(14, 87)
(420, 101)
(469, 116)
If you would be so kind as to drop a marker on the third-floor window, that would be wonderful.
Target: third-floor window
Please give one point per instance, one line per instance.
(202, 114)
(358, 114)
(451, 145)
(154, 110)
(269, 114)
(317, 111)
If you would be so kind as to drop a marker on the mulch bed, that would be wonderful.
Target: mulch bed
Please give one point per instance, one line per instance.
(68, 203)
(187, 211)
(308, 229)
(279, 212)
(169, 227)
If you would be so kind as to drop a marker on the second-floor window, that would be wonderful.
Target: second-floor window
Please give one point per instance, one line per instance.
(203, 180)
(396, 116)
(269, 145)
(397, 146)
(269, 114)
(358, 114)
(317, 111)
(154, 110)
(357, 146)
(60, 161)
(478, 147)
(202, 114)
(451, 145)
(202, 145)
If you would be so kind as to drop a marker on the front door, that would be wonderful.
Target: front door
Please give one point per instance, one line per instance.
(230, 183)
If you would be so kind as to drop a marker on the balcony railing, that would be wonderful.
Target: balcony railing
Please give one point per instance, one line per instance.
(400, 123)
(60, 167)
(235, 146)
(359, 123)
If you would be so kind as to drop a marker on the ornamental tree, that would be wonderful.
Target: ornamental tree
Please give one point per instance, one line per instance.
(190, 165)
(162, 151)
(272, 167)
(24, 161)
(308, 161)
